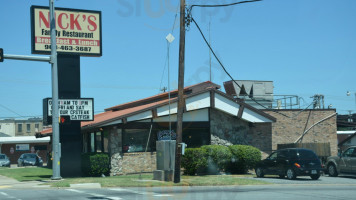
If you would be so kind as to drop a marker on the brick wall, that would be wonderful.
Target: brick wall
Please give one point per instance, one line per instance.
(261, 137)
(292, 123)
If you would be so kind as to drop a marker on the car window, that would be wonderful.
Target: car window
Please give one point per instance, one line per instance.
(353, 153)
(273, 156)
(305, 154)
(348, 152)
(31, 156)
(2, 156)
(282, 154)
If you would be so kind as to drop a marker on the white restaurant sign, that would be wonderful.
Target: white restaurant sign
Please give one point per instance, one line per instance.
(78, 109)
(78, 32)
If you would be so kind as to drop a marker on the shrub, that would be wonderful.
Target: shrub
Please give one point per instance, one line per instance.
(243, 158)
(95, 164)
(193, 160)
(218, 158)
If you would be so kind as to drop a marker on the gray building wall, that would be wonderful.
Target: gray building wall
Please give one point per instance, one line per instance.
(11, 127)
(228, 130)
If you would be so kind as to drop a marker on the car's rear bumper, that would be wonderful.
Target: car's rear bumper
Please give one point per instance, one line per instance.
(308, 172)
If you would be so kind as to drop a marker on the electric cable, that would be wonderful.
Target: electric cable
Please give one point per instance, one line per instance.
(223, 5)
(8, 109)
(228, 72)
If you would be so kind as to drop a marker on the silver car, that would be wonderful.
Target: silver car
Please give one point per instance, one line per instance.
(4, 161)
(29, 159)
(344, 163)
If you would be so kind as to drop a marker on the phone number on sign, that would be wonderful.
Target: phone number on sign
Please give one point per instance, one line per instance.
(69, 48)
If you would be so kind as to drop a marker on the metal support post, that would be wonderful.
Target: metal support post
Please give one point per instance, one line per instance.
(30, 58)
(55, 115)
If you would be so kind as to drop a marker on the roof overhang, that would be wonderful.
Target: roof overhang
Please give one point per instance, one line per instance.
(23, 139)
(196, 102)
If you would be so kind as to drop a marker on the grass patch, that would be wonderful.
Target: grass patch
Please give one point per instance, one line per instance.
(27, 173)
(145, 180)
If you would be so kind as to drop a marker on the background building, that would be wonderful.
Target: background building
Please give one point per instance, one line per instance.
(13, 127)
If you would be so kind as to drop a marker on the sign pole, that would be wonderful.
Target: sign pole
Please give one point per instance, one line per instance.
(55, 115)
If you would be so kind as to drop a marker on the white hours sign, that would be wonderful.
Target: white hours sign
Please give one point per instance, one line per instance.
(78, 109)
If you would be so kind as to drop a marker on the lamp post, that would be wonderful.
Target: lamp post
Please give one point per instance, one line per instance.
(348, 93)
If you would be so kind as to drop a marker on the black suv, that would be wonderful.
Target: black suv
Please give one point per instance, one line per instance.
(291, 162)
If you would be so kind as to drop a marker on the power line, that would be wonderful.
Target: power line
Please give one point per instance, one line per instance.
(223, 5)
(191, 18)
(8, 109)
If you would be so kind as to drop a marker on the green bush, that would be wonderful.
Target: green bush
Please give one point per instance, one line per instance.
(193, 160)
(243, 158)
(95, 164)
(218, 158)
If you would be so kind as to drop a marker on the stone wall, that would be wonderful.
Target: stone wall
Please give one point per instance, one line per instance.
(115, 140)
(132, 163)
(292, 123)
(128, 163)
(228, 130)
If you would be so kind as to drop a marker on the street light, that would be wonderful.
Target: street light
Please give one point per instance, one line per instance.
(348, 93)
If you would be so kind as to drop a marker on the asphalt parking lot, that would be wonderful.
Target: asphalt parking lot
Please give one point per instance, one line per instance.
(326, 179)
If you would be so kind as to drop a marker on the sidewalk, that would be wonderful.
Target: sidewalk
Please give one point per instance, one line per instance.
(6, 182)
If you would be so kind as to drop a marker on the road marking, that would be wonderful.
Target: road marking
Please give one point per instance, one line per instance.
(73, 190)
(94, 194)
(5, 186)
(8, 196)
(114, 198)
(141, 193)
(162, 195)
(132, 191)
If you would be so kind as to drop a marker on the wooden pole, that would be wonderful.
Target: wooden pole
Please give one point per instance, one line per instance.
(180, 93)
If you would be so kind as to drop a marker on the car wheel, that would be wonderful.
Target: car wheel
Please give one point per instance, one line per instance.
(315, 176)
(332, 170)
(259, 172)
(291, 174)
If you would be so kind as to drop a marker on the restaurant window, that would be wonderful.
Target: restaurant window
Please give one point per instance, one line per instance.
(98, 141)
(135, 140)
(196, 137)
(92, 142)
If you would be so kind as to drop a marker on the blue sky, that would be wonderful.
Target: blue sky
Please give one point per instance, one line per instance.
(305, 47)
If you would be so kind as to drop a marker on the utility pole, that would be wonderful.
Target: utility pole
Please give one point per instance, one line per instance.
(56, 147)
(180, 93)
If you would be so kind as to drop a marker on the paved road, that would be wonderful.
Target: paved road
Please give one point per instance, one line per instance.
(303, 188)
(265, 192)
(324, 180)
